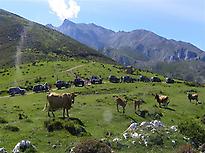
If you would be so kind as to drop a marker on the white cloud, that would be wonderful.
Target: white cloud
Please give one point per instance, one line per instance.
(64, 9)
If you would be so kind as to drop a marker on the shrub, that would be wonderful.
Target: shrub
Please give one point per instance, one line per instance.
(187, 148)
(203, 119)
(2, 120)
(194, 131)
(156, 139)
(53, 125)
(11, 128)
(92, 146)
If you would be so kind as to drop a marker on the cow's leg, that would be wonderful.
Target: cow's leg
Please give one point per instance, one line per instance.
(138, 106)
(135, 107)
(117, 107)
(63, 112)
(49, 114)
(67, 113)
(123, 110)
(53, 113)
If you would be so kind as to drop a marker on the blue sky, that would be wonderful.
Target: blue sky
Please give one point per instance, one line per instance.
(173, 19)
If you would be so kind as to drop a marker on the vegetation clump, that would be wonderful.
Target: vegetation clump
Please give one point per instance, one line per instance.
(194, 131)
(3, 121)
(11, 128)
(91, 146)
(72, 126)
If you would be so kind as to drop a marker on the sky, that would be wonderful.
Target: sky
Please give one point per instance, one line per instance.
(182, 20)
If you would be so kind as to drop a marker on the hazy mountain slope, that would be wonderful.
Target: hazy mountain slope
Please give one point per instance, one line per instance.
(140, 48)
(25, 41)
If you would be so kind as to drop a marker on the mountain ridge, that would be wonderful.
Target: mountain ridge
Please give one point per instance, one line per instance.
(140, 48)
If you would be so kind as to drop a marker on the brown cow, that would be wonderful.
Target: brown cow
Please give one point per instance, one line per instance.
(161, 99)
(193, 96)
(137, 104)
(120, 102)
(59, 101)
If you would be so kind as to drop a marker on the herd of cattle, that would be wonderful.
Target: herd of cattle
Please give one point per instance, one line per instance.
(161, 99)
(64, 101)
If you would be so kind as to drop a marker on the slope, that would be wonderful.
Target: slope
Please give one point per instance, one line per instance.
(25, 41)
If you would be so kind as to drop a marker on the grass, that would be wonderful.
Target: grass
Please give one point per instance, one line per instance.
(94, 106)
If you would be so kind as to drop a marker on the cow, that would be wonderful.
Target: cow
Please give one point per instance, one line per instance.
(59, 101)
(192, 96)
(120, 102)
(162, 99)
(137, 104)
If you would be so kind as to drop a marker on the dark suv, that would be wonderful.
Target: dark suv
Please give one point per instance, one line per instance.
(16, 90)
(169, 80)
(96, 80)
(40, 88)
(113, 79)
(144, 78)
(78, 82)
(128, 79)
(59, 84)
(155, 79)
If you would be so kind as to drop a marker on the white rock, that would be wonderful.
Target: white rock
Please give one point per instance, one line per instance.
(116, 140)
(157, 123)
(132, 127)
(173, 128)
(3, 150)
(145, 123)
(135, 135)
(126, 135)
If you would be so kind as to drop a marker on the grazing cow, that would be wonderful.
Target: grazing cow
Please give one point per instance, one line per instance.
(137, 104)
(161, 99)
(192, 96)
(59, 101)
(120, 102)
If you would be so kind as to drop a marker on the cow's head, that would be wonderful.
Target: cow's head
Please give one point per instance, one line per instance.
(72, 96)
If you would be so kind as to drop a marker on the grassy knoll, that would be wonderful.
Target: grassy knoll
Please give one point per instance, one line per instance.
(95, 107)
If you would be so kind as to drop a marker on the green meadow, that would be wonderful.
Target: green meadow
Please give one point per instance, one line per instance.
(94, 106)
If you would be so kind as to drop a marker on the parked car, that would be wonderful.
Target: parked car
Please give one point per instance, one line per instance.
(113, 79)
(16, 90)
(155, 79)
(59, 84)
(144, 78)
(169, 80)
(78, 82)
(128, 79)
(41, 87)
(96, 80)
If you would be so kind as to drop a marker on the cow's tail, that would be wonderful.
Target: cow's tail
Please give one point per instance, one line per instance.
(45, 107)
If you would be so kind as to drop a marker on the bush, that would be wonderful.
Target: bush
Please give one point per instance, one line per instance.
(12, 128)
(156, 139)
(194, 131)
(92, 146)
(53, 125)
(73, 127)
(203, 119)
(2, 120)
(187, 148)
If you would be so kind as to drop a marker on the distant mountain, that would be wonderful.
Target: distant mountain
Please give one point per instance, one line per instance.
(24, 41)
(140, 48)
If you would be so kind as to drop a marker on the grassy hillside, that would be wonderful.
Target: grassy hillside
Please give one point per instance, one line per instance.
(94, 106)
(23, 41)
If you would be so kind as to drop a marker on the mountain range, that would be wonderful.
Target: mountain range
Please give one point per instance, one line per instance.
(23, 41)
(141, 48)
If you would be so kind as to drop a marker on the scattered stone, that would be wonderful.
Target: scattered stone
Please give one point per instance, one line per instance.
(3, 150)
(23, 146)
